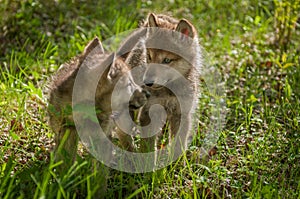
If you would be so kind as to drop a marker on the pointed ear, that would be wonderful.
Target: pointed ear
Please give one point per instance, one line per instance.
(152, 21)
(186, 28)
(113, 69)
(92, 49)
(95, 46)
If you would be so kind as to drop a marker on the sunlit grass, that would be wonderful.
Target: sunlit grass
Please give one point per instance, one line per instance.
(257, 153)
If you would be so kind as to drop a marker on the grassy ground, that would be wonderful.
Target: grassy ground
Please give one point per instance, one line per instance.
(255, 45)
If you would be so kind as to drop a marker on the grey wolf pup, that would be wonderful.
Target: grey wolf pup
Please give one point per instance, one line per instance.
(94, 62)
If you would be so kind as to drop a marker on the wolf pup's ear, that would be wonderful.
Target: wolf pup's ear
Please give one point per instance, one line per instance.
(152, 21)
(95, 46)
(186, 28)
(113, 68)
(92, 49)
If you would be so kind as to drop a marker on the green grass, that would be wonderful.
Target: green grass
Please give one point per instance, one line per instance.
(258, 151)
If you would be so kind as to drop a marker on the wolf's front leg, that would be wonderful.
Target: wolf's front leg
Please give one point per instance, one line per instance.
(138, 99)
(146, 144)
(97, 140)
(66, 141)
(126, 141)
(180, 126)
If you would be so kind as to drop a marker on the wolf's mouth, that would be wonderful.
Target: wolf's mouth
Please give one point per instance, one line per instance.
(156, 86)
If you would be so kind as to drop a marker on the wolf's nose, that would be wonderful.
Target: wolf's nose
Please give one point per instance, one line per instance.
(149, 83)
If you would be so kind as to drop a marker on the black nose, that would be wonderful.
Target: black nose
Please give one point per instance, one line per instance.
(149, 83)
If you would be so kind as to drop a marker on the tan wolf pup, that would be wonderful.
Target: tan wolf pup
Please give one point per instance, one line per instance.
(172, 43)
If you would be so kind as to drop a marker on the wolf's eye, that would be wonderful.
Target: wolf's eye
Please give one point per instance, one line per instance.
(167, 61)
